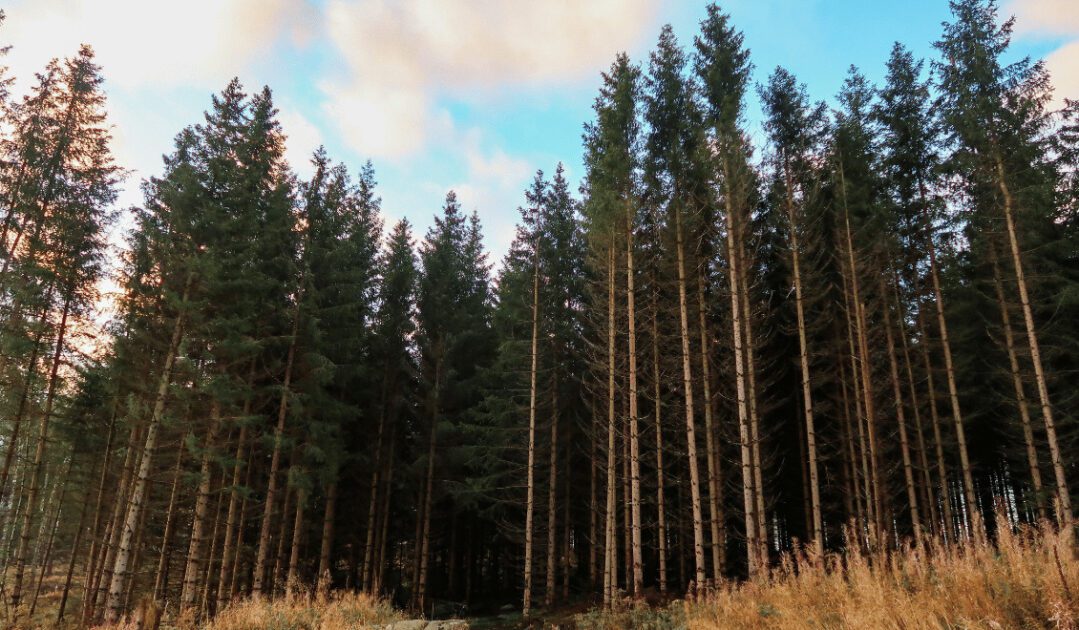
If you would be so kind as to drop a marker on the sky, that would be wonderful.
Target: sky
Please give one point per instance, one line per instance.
(469, 95)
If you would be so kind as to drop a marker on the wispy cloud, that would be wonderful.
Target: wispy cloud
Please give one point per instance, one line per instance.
(153, 44)
(1054, 18)
(399, 57)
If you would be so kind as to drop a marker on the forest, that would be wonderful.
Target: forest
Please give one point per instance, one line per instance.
(848, 331)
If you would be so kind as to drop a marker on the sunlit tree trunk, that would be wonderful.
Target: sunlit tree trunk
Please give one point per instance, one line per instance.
(1064, 514)
(1017, 384)
(135, 503)
(687, 385)
(530, 502)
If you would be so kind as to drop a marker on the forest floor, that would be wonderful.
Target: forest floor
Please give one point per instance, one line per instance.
(1028, 579)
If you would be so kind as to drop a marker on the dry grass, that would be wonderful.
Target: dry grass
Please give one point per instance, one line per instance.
(346, 611)
(343, 611)
(1024, 580)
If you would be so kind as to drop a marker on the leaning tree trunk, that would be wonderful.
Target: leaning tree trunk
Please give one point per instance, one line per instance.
(160, 577)
(1017, 383)
(949, 368)
(900, 418)
(133, 513)
(1064, 512)
(36, 466)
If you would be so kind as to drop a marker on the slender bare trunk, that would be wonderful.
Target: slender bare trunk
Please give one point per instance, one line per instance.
(900, 418)
(949, 368)
(687, 384)
(1064, 512)
(161, 576)
(325, 578)
(425, 553)
(37, 465)
(114, 602)
(552, 498)
(1017, 383)
(715, 513)
(610, 555)
(292, 581)
(661, 517)
(262, 557)
(938, 442)
(195, 559)
(634, 438)
(530, 501)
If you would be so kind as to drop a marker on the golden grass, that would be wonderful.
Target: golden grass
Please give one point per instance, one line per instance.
(1025, 580)
(345, 611)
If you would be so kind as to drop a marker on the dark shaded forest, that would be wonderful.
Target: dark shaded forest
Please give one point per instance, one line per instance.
(856, 334)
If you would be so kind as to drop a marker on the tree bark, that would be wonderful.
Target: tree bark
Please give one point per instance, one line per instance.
(161, 576)
(135, 503)
(195, 559)
(262, 557)
(715, 512)
(949, 368)
(36, 466)
(634, 438)
(552, 499)
(900, 418)
(1064, 511)
(661, 516)
(687, 384)
(530, 501)
(1017, 384)
(610, 555)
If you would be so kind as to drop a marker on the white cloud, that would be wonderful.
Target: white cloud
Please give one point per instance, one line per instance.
(494, 187)
(1047, 17)
(1063, 66)
(302, 138)
(401, 55)
(1053, 18)
(146, 43)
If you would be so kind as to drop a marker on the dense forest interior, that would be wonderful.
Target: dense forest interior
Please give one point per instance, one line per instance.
(852, 328)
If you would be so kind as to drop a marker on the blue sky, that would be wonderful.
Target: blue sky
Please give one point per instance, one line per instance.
(473, 95)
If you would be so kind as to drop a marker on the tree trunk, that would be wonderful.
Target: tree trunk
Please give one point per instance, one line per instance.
(225, 576)
(262, 557)
(325, 554)
(1017, 383)
(634, 443)
(661, 524)
(1064, 511)
(715, 513)
(949, 368)
(195, 560)
(530, 502)
(942, 470)
(687, 384)
(135, 503)
(292, 581)
(900, 418)
(425, 552)
(161, 576)
(610, 553)
(36, 466)
(552, 499)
